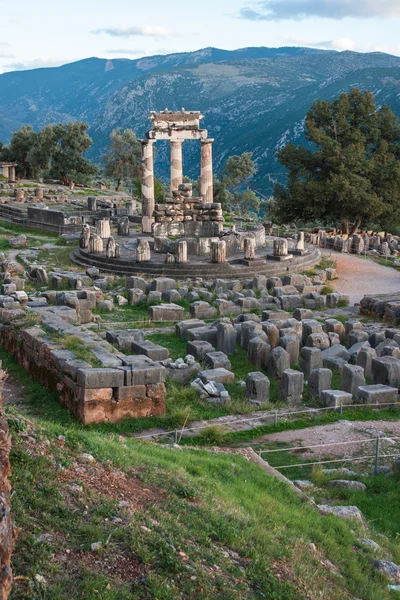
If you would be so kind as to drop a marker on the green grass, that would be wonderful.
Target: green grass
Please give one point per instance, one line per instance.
(210, 525)
(74, 344)
(14, 229)
(58, 258)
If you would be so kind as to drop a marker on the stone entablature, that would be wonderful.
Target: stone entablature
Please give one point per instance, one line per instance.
(176, 125)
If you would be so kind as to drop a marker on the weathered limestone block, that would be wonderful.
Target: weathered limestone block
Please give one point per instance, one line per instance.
(143, 251)
(162, 284)
(386, 370)
(364, 360)
(165, 312)
(291, 386)
(310, 359)
(199, 348)
(310, 326)
(202, 310)
(272, 332)
(136, 282)
(217, 375)
(335, 326)
(103, 228)
(123, 338)
(249, 248)
(181, 252)
(300, 241)
(123, 226)
(257, 352)
(85, 237)
(377, 394)
(335, 398)
(356, 336)
(183, 327)
(135, 296)
(257, 388)
(95, 244)
(150, 349)
(217, 360)
(292, 346)
(319, 379)
(248, 330)
(278, 362)
(218, 251)
(226, 338)
(92, 203)
(207, 333)
(280, 247)
(19, 195)
(352, 378)
(111, 248)
(318, 340)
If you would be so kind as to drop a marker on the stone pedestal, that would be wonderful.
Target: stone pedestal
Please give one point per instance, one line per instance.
(92, 203)
(280, 250)
(103, 228)
(206, 171)
(85, 237)
(147, 186)
(218, 251)
(39, 193)
(111, 248)
(249, 248)
(95, 244)
(123, 226)
(19, 195)
(143, 251)
(176, 174)
(181, 252)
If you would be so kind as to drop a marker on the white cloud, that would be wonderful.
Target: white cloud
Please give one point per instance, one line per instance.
(127, 32)
(126, 52)
(36, 63)
(276, 10)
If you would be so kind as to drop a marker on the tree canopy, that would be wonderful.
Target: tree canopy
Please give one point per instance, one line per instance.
(351, 172)
(56, 150)
(232, 188)
(123, 159)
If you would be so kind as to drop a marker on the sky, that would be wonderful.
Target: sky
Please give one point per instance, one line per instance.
(45, 33)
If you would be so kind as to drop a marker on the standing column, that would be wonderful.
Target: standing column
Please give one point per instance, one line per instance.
(176, 177)
(147, 186)
(206, 171)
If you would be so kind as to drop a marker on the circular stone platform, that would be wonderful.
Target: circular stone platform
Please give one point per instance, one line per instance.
(197, 266)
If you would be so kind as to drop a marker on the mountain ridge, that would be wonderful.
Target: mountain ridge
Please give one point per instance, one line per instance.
(254, 99)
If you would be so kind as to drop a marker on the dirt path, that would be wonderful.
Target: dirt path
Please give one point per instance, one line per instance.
(359, 276)
(337, 433)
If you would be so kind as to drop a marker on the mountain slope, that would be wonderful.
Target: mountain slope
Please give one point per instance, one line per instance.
(254, 99)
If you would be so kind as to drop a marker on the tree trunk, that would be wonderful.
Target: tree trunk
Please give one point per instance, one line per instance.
(356, 225)
(345, 227)
(118, 188)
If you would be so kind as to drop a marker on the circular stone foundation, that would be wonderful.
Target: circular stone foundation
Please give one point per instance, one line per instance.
(197, 266)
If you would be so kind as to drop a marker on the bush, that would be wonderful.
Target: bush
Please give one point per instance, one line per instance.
(214, 434)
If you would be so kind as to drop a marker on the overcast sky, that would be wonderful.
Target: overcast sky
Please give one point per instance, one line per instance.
(52, 32)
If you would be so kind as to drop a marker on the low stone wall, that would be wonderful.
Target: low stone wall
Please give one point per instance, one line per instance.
(94, 395)
(6, 527)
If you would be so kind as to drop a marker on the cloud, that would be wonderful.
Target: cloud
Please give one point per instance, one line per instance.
(337, 44)
(36, 63)
(277, 10)
(126, 52)
(127, 32)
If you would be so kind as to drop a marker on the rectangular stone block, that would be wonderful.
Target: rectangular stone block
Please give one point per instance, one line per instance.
(217, 375)
(183, 327)
(100, 378)
(153, 351)
(335, 398)
(205, 334)
(377, 394)
(142, 371)
(166, 312)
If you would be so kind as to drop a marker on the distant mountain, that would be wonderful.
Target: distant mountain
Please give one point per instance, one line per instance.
(253, 99)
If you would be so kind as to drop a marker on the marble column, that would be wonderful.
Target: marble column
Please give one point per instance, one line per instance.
(147, 186)
(176, 177)
(206, 170)
(218, 251)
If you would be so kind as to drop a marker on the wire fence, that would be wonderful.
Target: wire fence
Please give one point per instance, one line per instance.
(377, 456)
(273, 416)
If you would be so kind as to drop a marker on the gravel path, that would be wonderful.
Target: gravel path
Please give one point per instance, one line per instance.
(359, 276)
(335, 433)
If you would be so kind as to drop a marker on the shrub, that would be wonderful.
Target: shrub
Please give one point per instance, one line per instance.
(214, 434)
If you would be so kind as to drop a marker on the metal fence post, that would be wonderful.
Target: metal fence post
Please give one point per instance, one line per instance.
(377, 448)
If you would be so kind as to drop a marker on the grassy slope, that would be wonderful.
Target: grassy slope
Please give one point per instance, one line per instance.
(196, 525)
